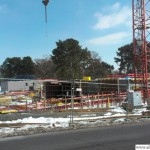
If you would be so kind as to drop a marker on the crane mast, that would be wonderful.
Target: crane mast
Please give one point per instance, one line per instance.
(141, 44)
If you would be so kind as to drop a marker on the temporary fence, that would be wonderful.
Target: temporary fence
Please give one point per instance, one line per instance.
(98, 101)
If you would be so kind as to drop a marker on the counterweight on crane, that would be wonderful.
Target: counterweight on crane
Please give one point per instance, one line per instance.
(141, 44)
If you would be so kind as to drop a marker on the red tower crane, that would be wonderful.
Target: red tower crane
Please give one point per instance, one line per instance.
(141, 44)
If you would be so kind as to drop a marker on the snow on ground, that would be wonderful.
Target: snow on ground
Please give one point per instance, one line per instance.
(52, 123)
(139, 111)
(42, 120)
(108, 114)
(118, 109)
(120, 120)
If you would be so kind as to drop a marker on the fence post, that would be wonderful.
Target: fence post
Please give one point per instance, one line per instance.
(88, 101)
(98, 101)
(108, 102)
(102, 100)
(112, 102)
(36, 105)
(45, 104)
(26, 106)
(65, 103)
(51, 104)
(95, 101)
(92, 102)
(81, 102)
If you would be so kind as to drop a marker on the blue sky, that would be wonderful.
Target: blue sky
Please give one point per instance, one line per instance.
(100, 25)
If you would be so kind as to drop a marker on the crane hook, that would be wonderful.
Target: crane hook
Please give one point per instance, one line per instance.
(45, 2)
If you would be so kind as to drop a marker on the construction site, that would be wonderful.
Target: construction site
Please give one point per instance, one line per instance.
(83, 95)
(118, 103)
(60, 95)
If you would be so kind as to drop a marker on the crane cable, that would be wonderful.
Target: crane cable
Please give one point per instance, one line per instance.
(45, 2)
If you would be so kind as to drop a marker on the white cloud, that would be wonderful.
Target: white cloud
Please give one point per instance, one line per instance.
(3, 8)
(115, 6)
(109, 39)
(117, 16)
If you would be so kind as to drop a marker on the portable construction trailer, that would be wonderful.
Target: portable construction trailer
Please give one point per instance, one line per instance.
(29, 85)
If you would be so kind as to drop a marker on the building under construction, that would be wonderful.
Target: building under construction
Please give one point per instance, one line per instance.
(61, 89)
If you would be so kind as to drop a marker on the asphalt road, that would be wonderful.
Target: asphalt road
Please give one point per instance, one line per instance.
(122, 137)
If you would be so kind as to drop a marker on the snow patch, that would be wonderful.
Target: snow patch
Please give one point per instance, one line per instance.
(120, 120)
(108, 114)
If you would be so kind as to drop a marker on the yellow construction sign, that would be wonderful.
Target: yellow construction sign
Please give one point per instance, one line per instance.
(87, 78)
